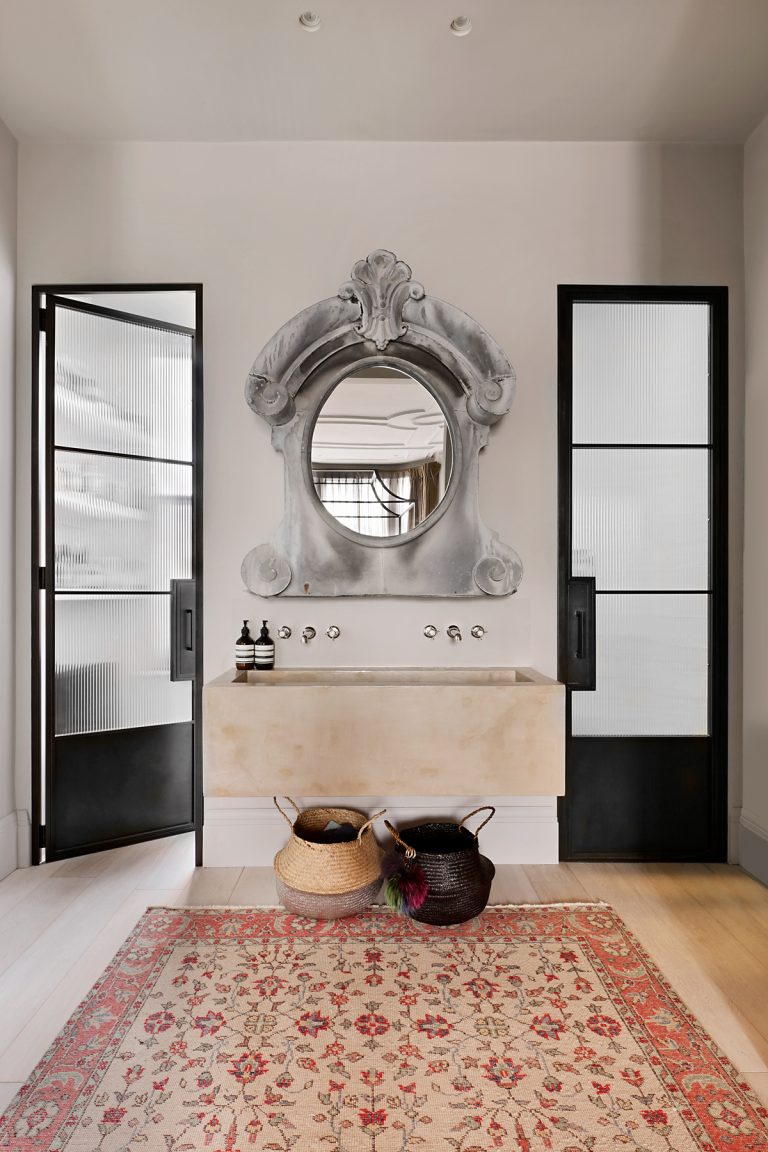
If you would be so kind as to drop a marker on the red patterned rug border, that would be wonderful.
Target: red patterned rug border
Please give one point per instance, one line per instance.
(43, 1073)
(633, 1019)
(175, 923)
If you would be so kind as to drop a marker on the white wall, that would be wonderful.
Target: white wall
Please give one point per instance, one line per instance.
(7, 488)
(754, 833)
(271, 227)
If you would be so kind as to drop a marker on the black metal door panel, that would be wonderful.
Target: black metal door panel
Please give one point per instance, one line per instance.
(122, 786)
(643, 414)
(118, 528)
(641, 797)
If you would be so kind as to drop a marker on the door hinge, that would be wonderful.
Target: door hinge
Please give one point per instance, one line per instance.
(42, 316)
(41, 836)
(41, 577)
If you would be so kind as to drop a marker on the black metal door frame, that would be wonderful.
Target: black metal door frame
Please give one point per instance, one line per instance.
(717, 299)
(38, 561)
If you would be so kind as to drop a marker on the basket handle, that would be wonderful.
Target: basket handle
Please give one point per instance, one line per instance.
(409, 852)
(369, 822)
(284, 814)
(474, 812)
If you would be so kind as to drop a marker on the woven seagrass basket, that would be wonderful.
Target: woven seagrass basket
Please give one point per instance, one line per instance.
(331, 906)
(459, 877)
(327, 880)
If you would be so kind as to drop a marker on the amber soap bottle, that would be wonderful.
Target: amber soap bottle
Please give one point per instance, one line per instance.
(264, 650)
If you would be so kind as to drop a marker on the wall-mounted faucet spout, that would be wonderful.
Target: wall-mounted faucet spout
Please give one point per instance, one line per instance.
(454, 632)
(308, 634)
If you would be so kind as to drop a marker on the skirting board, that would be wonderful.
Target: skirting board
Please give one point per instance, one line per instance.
(753, 849)
(9, 839)
(248, 831)
(24, 838)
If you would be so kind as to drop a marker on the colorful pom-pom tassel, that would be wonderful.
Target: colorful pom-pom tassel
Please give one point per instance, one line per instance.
(406, 888)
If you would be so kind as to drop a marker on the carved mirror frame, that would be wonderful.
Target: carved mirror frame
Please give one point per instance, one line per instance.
(381, 317)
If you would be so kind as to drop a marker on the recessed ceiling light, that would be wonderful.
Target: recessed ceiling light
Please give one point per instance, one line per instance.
(310, 21)
(461, 26)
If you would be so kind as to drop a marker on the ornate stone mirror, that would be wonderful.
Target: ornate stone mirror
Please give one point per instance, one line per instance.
(380, 399)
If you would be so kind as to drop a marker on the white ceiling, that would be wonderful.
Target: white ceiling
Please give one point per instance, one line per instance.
(384, 69)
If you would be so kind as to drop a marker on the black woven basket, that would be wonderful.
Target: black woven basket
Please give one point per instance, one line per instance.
(459, 877)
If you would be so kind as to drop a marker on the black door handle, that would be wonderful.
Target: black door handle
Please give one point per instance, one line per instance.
(188, 646)
(183, 655)
(579, 634)
(577, 639)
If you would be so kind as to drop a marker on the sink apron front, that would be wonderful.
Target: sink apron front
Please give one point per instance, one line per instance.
(364, 732)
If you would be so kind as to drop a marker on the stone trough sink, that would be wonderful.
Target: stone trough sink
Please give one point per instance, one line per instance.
(384, 731)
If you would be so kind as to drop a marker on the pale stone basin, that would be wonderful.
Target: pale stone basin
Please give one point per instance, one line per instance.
(384, 731)
(372, 677)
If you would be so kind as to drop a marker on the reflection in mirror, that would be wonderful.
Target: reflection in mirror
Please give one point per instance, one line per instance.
(381, 452)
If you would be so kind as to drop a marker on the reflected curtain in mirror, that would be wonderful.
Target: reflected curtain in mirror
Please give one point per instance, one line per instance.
(380, 501)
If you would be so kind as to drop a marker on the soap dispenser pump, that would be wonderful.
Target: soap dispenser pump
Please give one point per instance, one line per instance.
(244, 649)
(264, 649)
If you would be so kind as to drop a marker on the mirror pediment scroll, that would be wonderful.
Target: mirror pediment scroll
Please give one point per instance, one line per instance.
(380, 399)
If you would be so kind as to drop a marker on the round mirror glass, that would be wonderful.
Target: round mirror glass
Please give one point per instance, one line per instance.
(381, 452)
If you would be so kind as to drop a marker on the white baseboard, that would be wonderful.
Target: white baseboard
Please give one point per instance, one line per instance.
(734, 834)
(8, 845)
(247, 831)
(23, 838)
(753, 848)
(14, 842)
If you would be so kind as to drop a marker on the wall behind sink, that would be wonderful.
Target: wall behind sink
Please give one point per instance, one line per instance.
(271, 227)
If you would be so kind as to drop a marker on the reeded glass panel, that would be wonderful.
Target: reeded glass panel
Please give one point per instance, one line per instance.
(113, 663)
(641, 517)
(640, 373)
(121, 523)
(122, 387)
(652, 668)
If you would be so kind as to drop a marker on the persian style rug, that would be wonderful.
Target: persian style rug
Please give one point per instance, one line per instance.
(532, 1029)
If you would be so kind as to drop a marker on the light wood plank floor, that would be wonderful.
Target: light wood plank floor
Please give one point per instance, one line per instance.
(706, 926)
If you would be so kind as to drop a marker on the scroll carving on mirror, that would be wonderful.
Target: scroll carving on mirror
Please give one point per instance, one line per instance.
(380, 399)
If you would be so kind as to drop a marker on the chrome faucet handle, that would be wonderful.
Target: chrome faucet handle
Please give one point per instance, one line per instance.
(333, 632)
(284, 632)
(430, 631)
(454, 632)
(308, 634)
(478, 631)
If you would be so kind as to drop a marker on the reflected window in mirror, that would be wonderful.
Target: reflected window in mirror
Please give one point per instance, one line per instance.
(381, 452)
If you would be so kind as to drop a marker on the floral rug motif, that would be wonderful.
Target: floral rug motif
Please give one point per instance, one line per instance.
(531, 1029)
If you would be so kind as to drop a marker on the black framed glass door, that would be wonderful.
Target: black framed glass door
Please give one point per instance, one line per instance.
(643, 495)
(118, 522)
